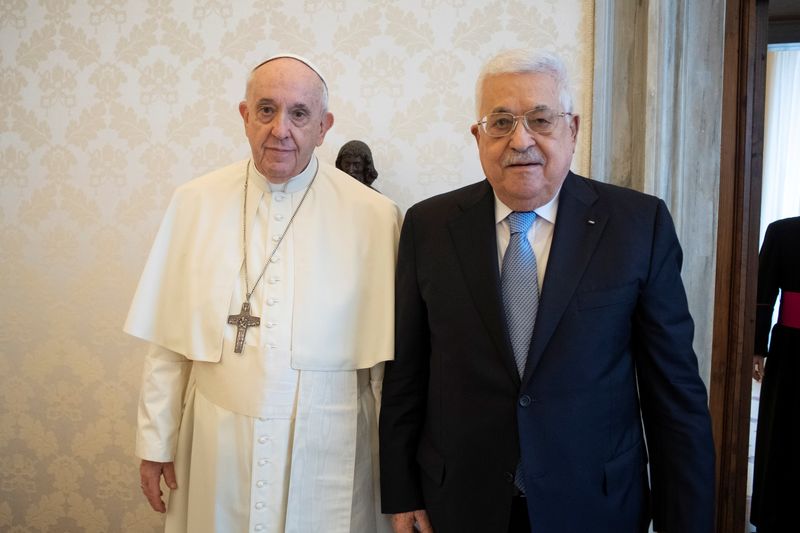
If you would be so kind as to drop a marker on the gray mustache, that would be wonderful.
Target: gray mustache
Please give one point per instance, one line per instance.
(524, 158)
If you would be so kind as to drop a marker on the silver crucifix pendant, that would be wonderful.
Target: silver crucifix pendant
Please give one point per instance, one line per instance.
(242, 321)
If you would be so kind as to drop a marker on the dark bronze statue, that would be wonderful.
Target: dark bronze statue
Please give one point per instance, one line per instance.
(355, 158)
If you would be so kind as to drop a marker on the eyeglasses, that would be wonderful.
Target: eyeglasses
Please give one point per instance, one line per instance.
(536, 121)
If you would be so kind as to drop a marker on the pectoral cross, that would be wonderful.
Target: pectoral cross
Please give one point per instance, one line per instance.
(242, 321)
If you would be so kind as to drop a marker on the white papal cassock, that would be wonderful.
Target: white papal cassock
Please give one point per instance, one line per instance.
(282, 437)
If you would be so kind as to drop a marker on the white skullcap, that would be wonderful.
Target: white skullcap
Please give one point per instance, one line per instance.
(301, 59)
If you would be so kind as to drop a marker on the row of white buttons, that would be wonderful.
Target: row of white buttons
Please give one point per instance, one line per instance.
(260, 505)
(263, 441)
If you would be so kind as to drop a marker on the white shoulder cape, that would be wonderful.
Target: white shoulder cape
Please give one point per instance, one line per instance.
(345, 250)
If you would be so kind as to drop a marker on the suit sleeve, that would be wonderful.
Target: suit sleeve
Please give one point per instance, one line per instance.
(673, 397)
(405, 385)
(164, 381)
(768, 267)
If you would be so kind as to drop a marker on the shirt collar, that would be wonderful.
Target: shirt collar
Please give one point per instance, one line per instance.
(547, 211)
(294, 184)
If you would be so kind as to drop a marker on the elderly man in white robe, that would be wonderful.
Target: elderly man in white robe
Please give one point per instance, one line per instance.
(267, 300)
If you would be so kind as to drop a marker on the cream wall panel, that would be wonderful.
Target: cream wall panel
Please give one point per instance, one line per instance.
(109, 105)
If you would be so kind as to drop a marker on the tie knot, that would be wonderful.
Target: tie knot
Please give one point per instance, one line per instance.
(520, 221)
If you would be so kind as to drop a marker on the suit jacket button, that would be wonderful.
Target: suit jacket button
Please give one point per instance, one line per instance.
(509, 477)
(524, 400)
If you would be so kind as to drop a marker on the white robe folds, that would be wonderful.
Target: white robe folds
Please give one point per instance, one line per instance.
(282, 436)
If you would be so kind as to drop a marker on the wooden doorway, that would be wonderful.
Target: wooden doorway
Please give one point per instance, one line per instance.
(744, 80)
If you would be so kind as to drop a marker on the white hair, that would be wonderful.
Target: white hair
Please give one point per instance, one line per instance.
(523, 61)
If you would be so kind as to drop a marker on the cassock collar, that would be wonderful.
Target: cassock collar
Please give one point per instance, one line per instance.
(296, 183)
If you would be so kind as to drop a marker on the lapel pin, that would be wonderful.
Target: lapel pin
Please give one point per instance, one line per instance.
(590, 221)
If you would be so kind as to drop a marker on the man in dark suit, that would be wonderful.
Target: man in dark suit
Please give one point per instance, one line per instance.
(542, 333)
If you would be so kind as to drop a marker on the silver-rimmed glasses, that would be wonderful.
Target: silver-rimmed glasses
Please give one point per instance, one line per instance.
(536, 121)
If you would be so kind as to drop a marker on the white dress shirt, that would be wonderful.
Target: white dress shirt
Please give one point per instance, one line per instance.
(540, 234)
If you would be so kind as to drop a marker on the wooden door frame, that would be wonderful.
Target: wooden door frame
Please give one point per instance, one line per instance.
(744, 81)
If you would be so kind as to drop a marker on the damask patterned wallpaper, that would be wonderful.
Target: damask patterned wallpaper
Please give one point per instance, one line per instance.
(109, 104)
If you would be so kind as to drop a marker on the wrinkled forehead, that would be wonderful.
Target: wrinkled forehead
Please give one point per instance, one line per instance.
(287, 78)
(518, 92)
(299, 59)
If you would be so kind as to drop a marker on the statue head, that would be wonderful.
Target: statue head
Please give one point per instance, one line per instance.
(355, 158)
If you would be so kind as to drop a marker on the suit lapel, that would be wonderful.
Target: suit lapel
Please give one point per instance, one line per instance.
(579, 224)
(475, 241)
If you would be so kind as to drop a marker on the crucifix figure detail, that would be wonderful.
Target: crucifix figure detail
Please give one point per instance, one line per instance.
(242, 321)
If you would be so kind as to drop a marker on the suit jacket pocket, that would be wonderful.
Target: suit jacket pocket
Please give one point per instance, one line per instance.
(624, 469)
(430, 461)
(611, 296)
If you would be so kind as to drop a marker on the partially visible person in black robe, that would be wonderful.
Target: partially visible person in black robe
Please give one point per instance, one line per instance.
(776, 481)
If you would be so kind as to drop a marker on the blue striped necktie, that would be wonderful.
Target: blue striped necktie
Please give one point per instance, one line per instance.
(520, 286)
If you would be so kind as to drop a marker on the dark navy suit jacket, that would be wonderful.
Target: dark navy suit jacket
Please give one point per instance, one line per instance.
(610, 362)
